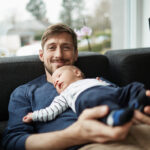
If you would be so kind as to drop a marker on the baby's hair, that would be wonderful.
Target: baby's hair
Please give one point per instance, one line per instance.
(82, 74)
(75, 67)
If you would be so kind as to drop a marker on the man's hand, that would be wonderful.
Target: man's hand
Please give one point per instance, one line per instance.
(88, 129)
(140, 117)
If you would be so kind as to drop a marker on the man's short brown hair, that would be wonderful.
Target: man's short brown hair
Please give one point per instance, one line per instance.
(56, 29)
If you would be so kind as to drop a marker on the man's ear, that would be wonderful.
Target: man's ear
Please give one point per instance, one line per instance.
(76, 55)
(41, 52)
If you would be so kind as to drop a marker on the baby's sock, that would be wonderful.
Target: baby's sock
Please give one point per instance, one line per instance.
(140, 102)
(119, 117)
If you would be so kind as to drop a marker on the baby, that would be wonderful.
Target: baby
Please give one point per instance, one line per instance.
(79, 93)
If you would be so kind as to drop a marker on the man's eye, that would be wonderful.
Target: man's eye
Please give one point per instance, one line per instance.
(59, 75)
(51, 48)
(67, 48)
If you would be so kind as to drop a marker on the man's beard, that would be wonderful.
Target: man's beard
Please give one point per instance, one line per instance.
(51, 71)
(48, 69)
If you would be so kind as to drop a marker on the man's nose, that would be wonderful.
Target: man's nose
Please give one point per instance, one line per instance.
(58, 52)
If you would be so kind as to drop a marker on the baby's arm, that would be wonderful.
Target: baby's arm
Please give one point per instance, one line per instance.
(28, 118)
(58, 106)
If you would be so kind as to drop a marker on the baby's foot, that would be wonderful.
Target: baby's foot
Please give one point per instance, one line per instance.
(119, 117)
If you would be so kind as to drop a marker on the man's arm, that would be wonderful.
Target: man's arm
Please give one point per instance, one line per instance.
(16, 132)
(87, 129)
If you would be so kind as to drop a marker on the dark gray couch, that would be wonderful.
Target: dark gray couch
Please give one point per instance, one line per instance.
(120, 66)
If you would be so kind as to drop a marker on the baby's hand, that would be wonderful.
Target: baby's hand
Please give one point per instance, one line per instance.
(27, 118)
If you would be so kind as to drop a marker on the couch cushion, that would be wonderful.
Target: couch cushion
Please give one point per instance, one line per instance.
(130, 65)
(93, 64)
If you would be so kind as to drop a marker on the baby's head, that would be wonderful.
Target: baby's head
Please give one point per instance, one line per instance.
(64, 76)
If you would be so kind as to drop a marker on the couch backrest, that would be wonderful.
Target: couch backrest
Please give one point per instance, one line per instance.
(15, 71)
(129, 65)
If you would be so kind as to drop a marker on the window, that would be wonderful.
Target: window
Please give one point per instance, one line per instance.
(130, 27)
(112, 24)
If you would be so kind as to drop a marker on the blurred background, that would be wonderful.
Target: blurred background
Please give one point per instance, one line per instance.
(107, 24)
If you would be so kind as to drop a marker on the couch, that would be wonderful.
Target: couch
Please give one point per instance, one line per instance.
(118, 66)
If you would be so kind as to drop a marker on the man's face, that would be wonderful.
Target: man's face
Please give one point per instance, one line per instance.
(58, 51)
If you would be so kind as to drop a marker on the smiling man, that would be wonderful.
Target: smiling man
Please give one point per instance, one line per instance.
(59, 48)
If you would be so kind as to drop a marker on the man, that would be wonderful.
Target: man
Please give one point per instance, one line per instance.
(59, 48)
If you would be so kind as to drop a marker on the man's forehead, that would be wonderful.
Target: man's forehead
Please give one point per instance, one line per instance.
(63, 36)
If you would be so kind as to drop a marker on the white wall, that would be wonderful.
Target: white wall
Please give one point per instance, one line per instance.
(117, 24)
(130, 24)
(146, 30)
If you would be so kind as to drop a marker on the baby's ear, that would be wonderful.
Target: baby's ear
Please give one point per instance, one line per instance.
(78, 73)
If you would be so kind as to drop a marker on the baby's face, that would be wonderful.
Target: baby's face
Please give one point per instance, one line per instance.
(63, 77)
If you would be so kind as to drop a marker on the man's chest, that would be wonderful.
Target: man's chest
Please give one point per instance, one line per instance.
(42, 96)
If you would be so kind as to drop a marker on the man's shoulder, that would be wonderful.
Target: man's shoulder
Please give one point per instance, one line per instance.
(33, 83)
(39, 80)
